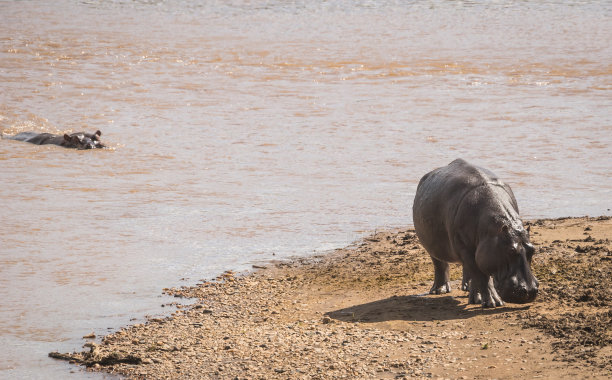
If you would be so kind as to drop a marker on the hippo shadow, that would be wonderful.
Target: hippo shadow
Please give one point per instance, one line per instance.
(416, 308)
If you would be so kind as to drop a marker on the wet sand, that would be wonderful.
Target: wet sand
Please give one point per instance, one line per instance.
(364, 312)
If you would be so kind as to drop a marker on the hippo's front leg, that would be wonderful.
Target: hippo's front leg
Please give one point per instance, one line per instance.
(482, 291)
(480, 285)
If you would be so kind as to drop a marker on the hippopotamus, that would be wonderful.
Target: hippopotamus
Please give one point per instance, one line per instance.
(466, 214)
(78, 140)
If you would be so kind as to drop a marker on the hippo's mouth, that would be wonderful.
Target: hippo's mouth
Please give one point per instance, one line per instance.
(514, 290)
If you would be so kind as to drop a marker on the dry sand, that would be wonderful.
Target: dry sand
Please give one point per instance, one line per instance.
(362, 312)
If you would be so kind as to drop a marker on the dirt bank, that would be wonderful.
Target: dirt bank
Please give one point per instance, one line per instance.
(363, 312)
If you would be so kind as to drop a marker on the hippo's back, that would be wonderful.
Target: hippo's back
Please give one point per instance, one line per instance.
(438, 198)
(36, 138)
(442, 186)
(23, 136)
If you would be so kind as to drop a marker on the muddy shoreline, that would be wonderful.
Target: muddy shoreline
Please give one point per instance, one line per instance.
(363, 312)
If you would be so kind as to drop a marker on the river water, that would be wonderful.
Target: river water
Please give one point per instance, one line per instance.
(244, 131)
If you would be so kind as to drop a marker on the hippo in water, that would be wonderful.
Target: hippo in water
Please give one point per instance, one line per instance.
(465, 214)
(79, 140)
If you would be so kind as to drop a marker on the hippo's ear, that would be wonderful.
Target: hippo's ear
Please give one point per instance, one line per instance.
(504, 229)
(98, 133)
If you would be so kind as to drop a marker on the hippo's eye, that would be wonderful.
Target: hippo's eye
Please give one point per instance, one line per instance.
(515, 247)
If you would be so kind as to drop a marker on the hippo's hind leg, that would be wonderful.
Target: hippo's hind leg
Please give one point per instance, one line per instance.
(465, 282)
(441, 277)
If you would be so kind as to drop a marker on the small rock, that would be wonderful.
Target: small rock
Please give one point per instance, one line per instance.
(91, 345)
(92, 335)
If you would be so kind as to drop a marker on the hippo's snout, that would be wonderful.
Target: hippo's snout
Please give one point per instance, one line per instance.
(514, 290)
(87, 144)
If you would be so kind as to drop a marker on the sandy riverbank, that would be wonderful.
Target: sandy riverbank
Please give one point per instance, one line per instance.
(361, 312)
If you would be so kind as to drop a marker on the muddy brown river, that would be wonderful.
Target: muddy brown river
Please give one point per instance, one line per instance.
(242, 131)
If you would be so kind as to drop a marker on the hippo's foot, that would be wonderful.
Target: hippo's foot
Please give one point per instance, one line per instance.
(440, 289)
(486, 295)
(465, 281)
(474, 298)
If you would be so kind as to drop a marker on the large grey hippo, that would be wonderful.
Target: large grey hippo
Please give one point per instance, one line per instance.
(465, 214)
(78, 140)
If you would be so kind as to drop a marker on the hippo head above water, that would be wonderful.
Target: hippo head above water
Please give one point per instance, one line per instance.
(465, 214)
(505, 253)
(81, 140)
(78, 140)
